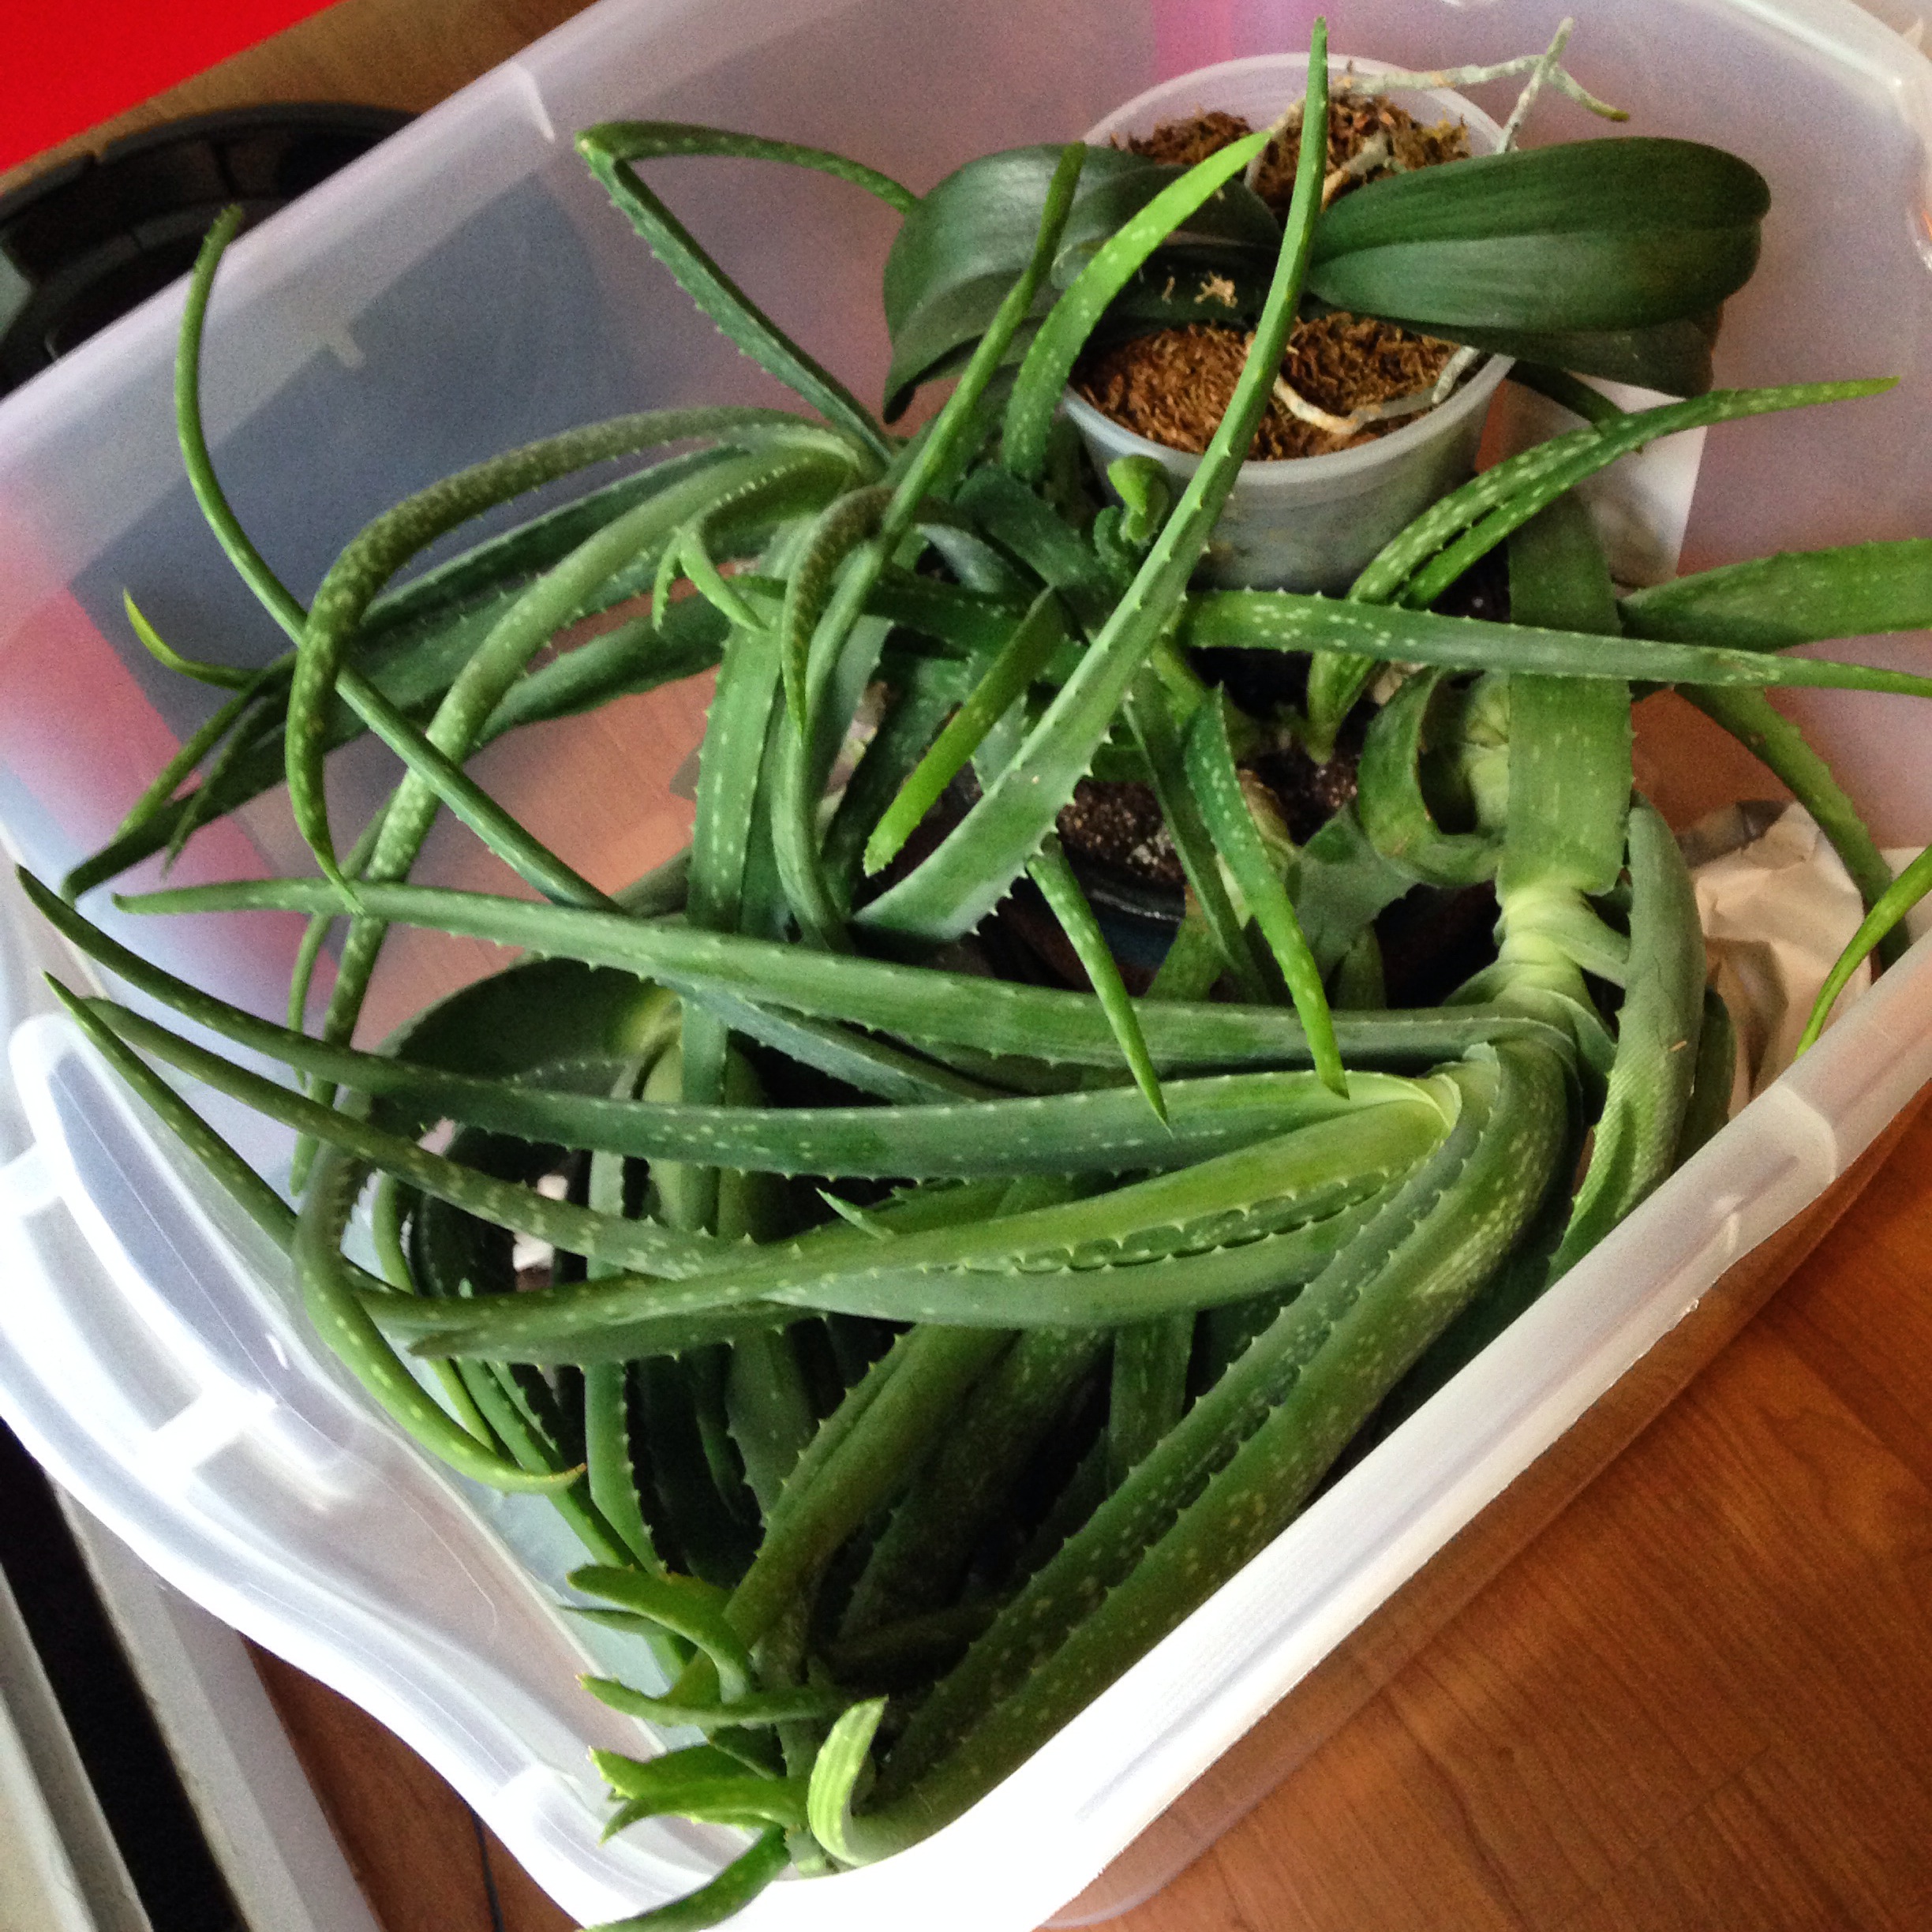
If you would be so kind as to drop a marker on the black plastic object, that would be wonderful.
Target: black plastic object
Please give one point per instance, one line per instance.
(107, 1715)
(86, 242)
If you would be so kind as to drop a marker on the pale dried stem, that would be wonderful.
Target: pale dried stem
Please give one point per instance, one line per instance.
(1543, 68)
(1453, 371)
(1373, 153)
(1538, 74)
(1299, 406)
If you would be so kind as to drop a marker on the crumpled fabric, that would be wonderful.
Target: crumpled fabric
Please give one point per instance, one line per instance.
(1778, 908)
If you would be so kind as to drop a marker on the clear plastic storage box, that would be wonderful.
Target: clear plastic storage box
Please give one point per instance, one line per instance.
(466, 287)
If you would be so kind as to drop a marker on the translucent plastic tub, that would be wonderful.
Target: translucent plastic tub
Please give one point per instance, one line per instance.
(465, 288)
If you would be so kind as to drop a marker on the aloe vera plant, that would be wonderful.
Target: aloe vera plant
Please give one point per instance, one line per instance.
(919, 1347)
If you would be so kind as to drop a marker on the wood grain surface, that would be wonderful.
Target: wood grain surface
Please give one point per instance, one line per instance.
(1700, 1702)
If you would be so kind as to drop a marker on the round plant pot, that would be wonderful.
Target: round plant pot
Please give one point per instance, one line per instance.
(1309, 522)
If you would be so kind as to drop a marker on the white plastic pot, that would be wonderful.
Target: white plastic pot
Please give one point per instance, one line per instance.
(1310, 522)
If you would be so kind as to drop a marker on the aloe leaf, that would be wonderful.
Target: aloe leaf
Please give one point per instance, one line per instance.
(1217, 786)
(967, 622)
(835, 1774)
(641, 655)
(1146, 1391)
(1569, 738)
(756, 1707)
(724, 1897)
(1150, 716)
(748, 682)
(1056, 347)
(1421, 561)
(1019, 660)
(1189, 1516)
(682, 1605)
(374, 557)
(958, 252)
(1714, 1081)
(1798, 597)
(628, 1242)
(525, 854)
(917, 710)
(915, 1003)
(1635, 1142)
(867, 1464)
(646, 140)
(840, 528)
(539, 1013)
(1884, 920)
(243, 1186)
(1613, 439)
(224, 677)
(1053, 876)
(159, 795)
(500, 564)
(1022, 522)
(607, 151)
(986, 1300)
(1342, 883)
(249, 563)
(953, 889)
(740, 1797)
(856, 1059)
(1284, 620)
(495, 1394)
(328, 1289)
(1228, 1227)
(945, 446)
(920, 1559)
(522, 629)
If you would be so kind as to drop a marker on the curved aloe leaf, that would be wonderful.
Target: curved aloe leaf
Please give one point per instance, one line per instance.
(1285, 620)
(607, 151)
(954, 890)
(960, 249)
(916, 1003)
(646, 140)
(1049, 361)
(1799, 596)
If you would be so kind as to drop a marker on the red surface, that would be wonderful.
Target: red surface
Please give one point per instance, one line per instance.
(67, 64)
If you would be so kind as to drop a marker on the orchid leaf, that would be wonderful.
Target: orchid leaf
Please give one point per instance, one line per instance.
(1635, 185)
(966, 243)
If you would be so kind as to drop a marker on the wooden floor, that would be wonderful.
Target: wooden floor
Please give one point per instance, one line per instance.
(1700, 1701)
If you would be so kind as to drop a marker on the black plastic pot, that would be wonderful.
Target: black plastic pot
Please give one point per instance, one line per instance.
(87, 241)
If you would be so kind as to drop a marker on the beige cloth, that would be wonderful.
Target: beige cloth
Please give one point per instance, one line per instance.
(1777, 909)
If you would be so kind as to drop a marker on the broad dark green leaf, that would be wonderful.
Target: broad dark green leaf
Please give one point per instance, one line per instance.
(1634, 186)
(962, 248)
(1674, 357)
(1589, 279)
